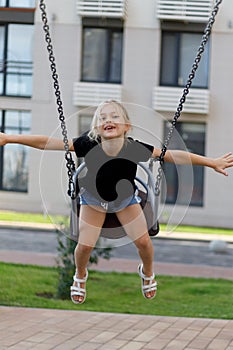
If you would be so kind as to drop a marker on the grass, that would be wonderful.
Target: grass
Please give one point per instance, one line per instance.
(40, 218)
(30, 217)
(199, 229)
(34, 286)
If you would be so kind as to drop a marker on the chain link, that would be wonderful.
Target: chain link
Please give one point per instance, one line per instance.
(191, 76)
(68, 156)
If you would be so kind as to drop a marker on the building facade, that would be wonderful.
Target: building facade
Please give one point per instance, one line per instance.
(138, 52)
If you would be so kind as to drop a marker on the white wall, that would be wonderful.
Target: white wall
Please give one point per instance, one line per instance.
(52, 173)
(57, 10)
(224, 18)
(141, 16)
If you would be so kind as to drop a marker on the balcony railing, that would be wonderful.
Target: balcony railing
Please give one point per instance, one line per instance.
(91, 94)
(102, 8)
(167, 99)
(185, 10)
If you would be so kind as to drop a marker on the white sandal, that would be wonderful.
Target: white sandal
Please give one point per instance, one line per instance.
(77, 290)
(146, 288)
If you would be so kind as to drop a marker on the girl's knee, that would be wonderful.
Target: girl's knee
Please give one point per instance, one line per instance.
(143, 242)
(83, 248)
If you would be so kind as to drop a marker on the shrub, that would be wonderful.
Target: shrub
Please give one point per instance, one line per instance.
(66, 263)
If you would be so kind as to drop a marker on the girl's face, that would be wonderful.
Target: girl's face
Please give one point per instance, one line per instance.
(111, 123)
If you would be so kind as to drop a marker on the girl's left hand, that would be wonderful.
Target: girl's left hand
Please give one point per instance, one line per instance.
(220, 164)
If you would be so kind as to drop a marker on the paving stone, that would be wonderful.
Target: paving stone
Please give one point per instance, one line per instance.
(163, 333)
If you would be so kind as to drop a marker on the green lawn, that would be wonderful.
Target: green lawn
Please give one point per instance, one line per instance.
(40, 218)
(30, 217)
(199, 229)
(33, 286)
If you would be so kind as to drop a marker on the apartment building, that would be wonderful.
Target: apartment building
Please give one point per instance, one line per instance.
(138, 52)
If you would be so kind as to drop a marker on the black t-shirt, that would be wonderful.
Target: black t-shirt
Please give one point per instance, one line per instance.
(111, 178)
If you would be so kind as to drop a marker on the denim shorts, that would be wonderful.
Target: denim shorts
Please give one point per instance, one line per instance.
(86, 198)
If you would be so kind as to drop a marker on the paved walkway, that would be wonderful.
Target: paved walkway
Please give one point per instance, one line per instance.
(41, 329)
(44, 329)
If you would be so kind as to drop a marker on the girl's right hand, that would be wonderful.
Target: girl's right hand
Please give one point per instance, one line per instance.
(3, 140)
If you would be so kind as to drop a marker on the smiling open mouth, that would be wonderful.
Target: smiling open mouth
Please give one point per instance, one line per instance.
(109, 127)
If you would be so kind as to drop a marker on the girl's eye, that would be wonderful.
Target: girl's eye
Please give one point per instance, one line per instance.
(116, 116)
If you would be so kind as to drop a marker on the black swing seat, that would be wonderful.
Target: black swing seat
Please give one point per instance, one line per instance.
(112, 228)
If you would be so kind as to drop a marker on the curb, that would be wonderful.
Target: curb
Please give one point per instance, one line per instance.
(208, 237)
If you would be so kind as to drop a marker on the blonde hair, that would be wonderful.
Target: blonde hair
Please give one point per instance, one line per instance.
(93, 135)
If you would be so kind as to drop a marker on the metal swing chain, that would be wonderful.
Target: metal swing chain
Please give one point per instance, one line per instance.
(68, 156)
(191, 76)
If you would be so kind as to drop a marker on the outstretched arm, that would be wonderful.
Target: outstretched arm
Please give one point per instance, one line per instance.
(35, 141)
(182, 157)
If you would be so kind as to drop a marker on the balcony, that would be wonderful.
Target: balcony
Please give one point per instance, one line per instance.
(185, 10)
(102, 8)
(91, 94)
(167, 99)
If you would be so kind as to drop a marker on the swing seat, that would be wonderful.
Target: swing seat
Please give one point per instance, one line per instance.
(112, 228)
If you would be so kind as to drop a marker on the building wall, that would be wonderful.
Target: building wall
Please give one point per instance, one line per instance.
(217, 210)
(141, 61)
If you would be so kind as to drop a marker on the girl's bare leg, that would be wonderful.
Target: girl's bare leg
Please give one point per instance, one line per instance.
(90, 223)
(134, 222)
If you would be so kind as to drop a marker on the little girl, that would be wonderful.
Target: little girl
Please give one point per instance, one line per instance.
(111, 159)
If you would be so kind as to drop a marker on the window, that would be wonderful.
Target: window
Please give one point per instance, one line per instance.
(178, 52)
(16, 59)
(14, 158)
(18, 3)
(179, 187)
(22, 3)
(2, 55)
(102, 54)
